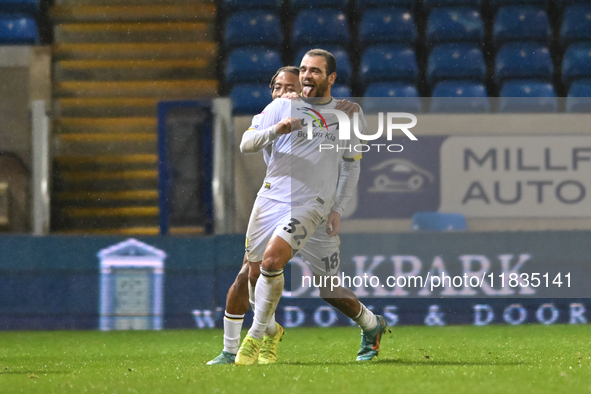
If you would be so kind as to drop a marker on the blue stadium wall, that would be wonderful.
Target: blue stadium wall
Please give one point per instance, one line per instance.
(53, 282)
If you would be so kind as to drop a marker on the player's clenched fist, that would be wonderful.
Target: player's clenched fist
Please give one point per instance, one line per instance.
(288, 125)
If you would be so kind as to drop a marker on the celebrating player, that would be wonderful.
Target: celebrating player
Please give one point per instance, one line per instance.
(296, 199)
(284, 82)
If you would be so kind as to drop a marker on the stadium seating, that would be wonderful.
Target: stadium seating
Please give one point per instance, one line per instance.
(387, 25)
(241, 5)
(521, 23)
(320, 27)
(459, 96)
(579, 96)
(249, 98)
(344, 68)
(576, 24)
(561, 4)
(523, 60)
(341, 90)
(454, 25)
(438, 221)
(296, 5)
(527, 96)
(576, 63)
(362, 5)
(252, 65)
(388, 63)
(254, 27)
(391, 97)
(429, 5)
(30, 7)
(495, 5)
(456, 61)
(18, 29)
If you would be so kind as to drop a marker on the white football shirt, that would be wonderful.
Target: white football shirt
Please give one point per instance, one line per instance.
(301, 169)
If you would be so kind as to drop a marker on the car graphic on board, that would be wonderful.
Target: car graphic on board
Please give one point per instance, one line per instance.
(399, 176)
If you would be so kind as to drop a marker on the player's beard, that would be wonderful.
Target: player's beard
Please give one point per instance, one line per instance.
(317, 90)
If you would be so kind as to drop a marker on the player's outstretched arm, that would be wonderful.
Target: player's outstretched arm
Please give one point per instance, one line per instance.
(254, 140)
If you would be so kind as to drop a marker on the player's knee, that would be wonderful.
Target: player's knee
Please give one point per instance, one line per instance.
(326, 293)
(273, 262)
(241, 279)
(277, 254)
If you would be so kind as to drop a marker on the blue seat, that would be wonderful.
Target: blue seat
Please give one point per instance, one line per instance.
(362, 5)
(320, 27)
(340, 90)
(249, 98)
(576, 63)
(523, 60)
(438, 221)
(387, 25)
(30, 7)
(256, 27)
(460, 97)
(521, 23)
(391, 97)
(527, 96)
(252, 65)
(495, 5)
(387, 63)
(344, 68)
(241, 5)
(576, 24)
(454, 25)
(18, 29)
(296, 5)
(456, 61)
(579, 96)
(561, 4)
(429, 5)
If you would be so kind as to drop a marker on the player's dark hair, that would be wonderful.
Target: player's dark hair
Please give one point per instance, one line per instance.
(291, 69)
(331, 63)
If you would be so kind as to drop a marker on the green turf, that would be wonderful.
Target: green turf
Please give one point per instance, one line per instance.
(492, 359)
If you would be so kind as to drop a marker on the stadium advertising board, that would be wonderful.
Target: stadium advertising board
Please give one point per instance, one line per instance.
(54, 282)
(479, 177)
(396, 185)
(537, 176)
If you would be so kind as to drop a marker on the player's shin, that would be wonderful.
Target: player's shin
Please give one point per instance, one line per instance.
(267, 294)
(271, 326)
(232, 327)
(251, 296)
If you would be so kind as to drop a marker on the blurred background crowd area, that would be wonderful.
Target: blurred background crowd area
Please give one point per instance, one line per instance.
(102, 66)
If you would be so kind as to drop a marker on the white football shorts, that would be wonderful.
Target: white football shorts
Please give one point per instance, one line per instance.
(303, 227)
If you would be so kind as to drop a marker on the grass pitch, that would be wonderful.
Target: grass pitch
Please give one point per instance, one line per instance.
(466, 359)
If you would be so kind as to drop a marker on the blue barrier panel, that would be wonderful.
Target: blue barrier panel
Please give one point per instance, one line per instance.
(185, 149)
(53, 282)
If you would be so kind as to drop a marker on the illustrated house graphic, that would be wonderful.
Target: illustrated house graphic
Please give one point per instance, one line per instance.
(131, 286)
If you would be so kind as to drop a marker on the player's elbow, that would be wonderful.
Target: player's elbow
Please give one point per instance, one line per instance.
(247, 147)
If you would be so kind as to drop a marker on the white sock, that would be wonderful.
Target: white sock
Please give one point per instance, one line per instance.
(267, 294)
(366, 319)
(232, 327)
(251, 295)
(271, 326)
